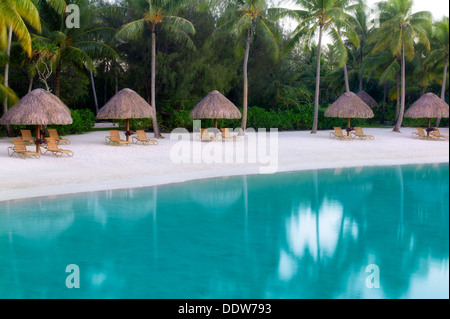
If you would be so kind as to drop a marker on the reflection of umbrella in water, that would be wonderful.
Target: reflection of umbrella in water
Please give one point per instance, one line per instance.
(44, 220)
(428, 106)
(38, 107)
(215, 106)
(348, 106)
(125, 105)
(217, 193)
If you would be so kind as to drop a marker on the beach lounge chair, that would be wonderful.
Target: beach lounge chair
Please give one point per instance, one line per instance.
(114, 139)
(52, 147)
(142, 138)
(20, 149)
(436, 133)
(205, 135)
(420, 134)
(339, 135)
(27, 137)
(54, 135)
(360, 134)
(226, 136)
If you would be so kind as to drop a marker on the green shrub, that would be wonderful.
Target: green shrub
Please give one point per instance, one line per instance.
(83, 121)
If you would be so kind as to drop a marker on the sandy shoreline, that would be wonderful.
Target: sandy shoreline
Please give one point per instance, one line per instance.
(97, 167)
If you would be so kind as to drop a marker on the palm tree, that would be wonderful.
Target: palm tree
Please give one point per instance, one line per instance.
(361, 25)
(441, 54)
(399, 31)
(77, 45)
(245, 19)
(321, 16)
(12, 16)
(159, 13)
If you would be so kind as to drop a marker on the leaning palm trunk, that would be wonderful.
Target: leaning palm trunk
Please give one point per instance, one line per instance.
(402, 104)
(316, 102)
(153, 88)
(94, 92)
(5, 102)
(347, 85)
(245, 98)
(438, 121)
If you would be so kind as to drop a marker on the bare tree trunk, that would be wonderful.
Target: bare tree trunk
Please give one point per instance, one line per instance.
(438, 121)
(403, 98)
(347, 85)
(245, 98)
(153, 88)
(9, 130)
(94, 91)
(316, 102)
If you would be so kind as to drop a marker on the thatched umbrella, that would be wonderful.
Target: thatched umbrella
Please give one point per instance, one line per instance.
(125, 105)
(428, 106)
(215, 106)
(39, 107)
(348, 106)
(370, 101)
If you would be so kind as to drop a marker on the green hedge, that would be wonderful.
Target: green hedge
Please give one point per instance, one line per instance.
(285, 120)
(293, 119)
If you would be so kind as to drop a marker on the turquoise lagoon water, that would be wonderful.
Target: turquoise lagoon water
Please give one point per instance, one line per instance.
(295, 235)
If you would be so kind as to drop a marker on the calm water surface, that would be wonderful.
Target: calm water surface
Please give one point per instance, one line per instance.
(291, 235)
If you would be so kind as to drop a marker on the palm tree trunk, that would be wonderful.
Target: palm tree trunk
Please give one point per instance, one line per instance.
(360, 66)
(94, 92)
(438, 121)
(316, 101)
(58, 79)
(9, 130)
(245, 98)
(30, 84)
(402, 105)
(397, 111)
(153, 88)
(347, 85)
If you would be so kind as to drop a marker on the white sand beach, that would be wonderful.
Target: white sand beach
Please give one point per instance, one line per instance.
(97, 166)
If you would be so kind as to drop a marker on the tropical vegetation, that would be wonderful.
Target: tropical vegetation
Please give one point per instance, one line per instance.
(281, 62)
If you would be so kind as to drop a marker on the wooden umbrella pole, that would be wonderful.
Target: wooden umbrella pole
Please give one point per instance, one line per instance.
(128, 129)
(429, 127)
(348, 126)
(215, 123)
(38, 137)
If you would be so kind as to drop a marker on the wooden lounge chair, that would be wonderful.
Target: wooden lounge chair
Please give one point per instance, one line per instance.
(226, 136)
(27, 137)
(205, 135)
(436, 133)
(52, 147)
(54, 135)
(142, 138)
(114, 139)
(20, 149)
(339, 135)
(420, 134)
(360, 134)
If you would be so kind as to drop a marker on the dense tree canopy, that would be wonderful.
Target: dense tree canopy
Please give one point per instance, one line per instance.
(200, 45)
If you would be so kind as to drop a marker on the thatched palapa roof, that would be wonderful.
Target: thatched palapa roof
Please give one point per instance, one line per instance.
(349, 105)
(126, 104)
(39, 107)
(428, 106)
(215, 106)
(370, 101)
